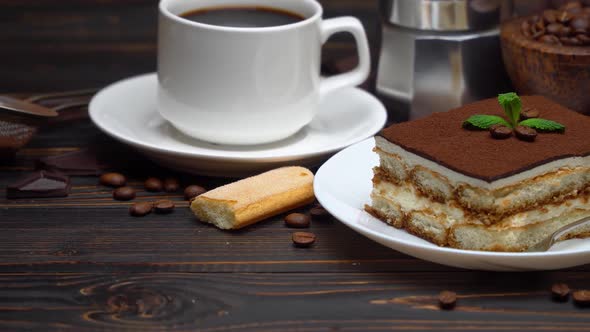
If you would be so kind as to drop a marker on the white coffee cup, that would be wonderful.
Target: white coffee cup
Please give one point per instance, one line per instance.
(234, 85)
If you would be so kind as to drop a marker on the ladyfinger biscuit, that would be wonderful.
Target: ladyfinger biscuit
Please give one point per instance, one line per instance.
(248, 201)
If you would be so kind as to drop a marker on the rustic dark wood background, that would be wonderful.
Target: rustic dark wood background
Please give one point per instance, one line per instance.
(50, 45)
(81, 263)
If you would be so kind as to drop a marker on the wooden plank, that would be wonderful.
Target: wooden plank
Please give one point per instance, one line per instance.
(286, 302)
(60, 45)
(76, 237)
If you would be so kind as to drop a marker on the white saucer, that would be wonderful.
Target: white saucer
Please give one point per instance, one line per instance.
(343, 185)
(126, 110)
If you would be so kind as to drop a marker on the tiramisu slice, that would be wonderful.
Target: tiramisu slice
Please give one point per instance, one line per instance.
(480, 190)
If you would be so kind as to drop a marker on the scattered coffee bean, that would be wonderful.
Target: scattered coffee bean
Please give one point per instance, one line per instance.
(124, 194)
(447, 300)
(529, 113)
(164, 206)
(500, 132)
(171, 185)
(297, 220)
(560, 292)
(193, 191)
(303, 239)
(319, 213)
(525, 133)
(582, 298)
(153, 185)
(141, 209)
(114, 180)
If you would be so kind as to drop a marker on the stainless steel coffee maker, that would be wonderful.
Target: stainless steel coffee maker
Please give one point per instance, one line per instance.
(439, 54)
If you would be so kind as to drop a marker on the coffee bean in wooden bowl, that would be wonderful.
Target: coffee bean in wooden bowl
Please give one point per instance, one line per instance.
(549, 54)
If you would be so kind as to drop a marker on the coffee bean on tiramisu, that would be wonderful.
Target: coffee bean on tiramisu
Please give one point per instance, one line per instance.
(164, 206)
(141, 209)
(153, 184)
(193, 191)
(124, 194)
(171, 185)
(560, 292)
(114, 180)
(529, 113)
(500, 132)
(297, 220)
(581, 298)
(447, 300)
(303, 239)
(525, 133)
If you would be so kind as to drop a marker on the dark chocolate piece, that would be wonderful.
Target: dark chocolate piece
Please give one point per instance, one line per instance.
(78, 163)
(41, 184)
(440, 138)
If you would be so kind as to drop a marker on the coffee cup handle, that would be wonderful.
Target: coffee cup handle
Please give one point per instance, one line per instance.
(361, 72)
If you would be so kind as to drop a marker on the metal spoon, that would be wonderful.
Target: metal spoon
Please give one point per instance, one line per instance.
(29, 106)
(555, 237)
(21, 106)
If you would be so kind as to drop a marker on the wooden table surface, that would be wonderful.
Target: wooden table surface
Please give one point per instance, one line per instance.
(82, 263)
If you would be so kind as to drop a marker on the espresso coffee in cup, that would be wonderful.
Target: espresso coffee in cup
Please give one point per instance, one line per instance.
(245, 17)
(247, 72)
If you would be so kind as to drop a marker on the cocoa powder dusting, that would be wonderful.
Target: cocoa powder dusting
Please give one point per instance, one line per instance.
(440, 138)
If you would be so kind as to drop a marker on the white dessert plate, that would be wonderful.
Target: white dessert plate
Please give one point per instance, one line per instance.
(126, 110)
(343, 186)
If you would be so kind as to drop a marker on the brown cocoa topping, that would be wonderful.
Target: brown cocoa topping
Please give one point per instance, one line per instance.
(442, 140)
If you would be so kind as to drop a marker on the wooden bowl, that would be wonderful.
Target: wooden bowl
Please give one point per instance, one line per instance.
(560, 73)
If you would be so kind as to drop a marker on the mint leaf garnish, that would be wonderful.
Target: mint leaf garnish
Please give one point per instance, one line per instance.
(512, 106)
(485, 121)
(543, 125)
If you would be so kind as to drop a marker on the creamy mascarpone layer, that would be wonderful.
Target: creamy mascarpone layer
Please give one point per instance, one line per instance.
(409, 200)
